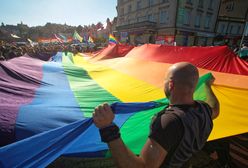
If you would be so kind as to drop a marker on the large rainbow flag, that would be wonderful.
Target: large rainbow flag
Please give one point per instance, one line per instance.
(46, 107)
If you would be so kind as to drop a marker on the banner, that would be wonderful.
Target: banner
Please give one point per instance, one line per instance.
(165, 40)
(124, 37)
(47, 40)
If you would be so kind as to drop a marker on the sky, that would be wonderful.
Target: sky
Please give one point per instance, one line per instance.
(71, 12)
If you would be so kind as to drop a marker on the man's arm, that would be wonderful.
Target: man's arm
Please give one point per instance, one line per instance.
(211, 99)
(152, 154)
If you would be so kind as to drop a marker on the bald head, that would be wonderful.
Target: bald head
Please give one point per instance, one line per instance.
(184, 76)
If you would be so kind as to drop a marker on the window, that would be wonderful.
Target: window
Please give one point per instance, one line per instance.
(189, 2)
(238, 29)
(121, 11)
(163, 17)
(138, 5)
(155, 17)
(210, 5)
(163, 1)
(200, 3)
(129, 8)
(207, 21)
(198, 20)
(231, 28)
(150, 2)
(187, 15)
(120, 1)
(222, 29)
(180, 16)
(246, 29)
(150, 18)
(141, 19)
(128, 19)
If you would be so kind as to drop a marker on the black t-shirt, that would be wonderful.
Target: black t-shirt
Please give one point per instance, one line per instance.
(168, 130)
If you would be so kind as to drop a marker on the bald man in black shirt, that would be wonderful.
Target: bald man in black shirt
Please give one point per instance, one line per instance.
(177, 132)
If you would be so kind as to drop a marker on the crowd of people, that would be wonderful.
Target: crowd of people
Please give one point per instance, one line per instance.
(41, 51)
(45, 51)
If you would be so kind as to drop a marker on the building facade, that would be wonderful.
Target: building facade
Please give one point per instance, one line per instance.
(186, 22)
(231, 22)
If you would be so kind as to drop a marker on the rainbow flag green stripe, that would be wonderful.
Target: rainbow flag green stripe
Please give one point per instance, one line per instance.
(84, 87)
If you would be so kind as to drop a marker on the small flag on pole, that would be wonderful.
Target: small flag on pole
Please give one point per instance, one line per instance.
(90, 40)
(112, 39)
(76, 36)
(31, 42)
(59, 39)
(15, 36)
(63, 37)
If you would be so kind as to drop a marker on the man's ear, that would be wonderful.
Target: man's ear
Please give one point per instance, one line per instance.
(171, 85)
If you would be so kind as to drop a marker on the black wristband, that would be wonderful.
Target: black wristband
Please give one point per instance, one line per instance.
(109, 133)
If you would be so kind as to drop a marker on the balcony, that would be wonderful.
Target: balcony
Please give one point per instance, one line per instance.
(138, 25)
